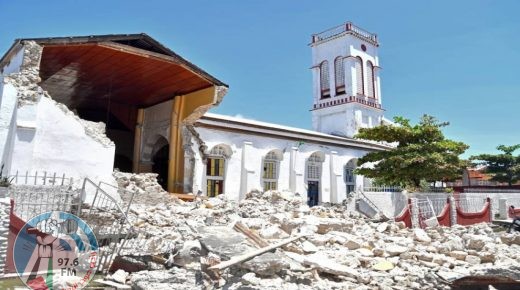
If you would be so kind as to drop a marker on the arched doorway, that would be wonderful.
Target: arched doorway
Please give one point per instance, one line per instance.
(161, 158)
(313, 176)
(349, 176)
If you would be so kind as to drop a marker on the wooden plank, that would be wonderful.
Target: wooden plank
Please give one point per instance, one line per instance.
(187, 197)
(251, 255)
(254, 237)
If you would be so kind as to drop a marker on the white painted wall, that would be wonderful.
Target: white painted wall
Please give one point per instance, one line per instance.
(45, 138)
(345, 119)
(257, 148)
(156, 124)
(14, 63)
(8, 102)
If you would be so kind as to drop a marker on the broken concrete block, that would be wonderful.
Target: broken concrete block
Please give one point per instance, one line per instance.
(326, 225)
(190, 252)
(421, 236)
(383, 266)
(266, 264)
(119, 276)
(324, 264)
(459, 255)
(273, 232)
(395, 250)
(473, 260)
(223, 241)
(309, 247)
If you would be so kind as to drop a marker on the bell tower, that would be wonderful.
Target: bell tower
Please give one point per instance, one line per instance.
(346, 83)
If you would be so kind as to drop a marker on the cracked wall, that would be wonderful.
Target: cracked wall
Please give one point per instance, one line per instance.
(40, 134)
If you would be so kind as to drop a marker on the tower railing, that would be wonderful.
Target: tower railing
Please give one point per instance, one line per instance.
(371, 102)
(346, 27)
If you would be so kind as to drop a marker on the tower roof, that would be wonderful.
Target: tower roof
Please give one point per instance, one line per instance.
(344, 29)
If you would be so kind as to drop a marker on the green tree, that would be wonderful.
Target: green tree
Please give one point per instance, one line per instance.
(504, 166)
(421, 153)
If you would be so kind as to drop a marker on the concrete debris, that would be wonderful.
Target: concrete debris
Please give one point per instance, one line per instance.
(339, 249)
(27, 79)
(119, 276)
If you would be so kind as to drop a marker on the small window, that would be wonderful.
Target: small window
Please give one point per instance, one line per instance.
(324, 80)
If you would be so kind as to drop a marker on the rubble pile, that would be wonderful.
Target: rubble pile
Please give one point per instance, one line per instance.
(27, 79)
(331, 249)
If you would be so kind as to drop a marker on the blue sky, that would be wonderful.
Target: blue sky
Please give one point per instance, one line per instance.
(456, 60)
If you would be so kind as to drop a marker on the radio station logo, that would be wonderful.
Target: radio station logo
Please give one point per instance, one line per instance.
(56, 250)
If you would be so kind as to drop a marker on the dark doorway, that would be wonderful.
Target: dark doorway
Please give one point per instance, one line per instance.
(313, 193)
(118, 129)
(160, 162)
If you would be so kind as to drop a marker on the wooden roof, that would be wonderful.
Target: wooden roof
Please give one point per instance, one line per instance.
(129, 69)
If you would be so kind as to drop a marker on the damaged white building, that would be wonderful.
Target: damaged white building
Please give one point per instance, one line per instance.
(86, 105)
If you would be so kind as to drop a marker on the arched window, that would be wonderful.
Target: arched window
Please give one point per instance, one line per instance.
(215, 169)
(349, 176)
(359, 76)
(339, 73)
(324, 80)
(271, 167)
(370, 80)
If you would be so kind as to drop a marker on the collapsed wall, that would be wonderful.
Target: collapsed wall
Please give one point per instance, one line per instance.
(38, 134)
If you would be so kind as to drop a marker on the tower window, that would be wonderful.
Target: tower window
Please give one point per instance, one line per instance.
(324, 80)
(339, 75)
(359, 76)
(370, 80)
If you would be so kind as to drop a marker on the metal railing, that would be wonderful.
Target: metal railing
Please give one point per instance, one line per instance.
(108, 221)
(437, 204)
(491, 190)
(470, 204)
(40, 192)
(427, 214)
(382, 189)
(371, 102)
(126, 195)
(494, 196)
(390, 204)
(30, 201)
(346, 27)
(40, 178)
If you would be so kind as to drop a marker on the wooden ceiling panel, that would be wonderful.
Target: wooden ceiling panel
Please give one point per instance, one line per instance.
(75, 74)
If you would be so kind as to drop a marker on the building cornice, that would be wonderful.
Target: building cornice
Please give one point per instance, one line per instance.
(285, 133)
